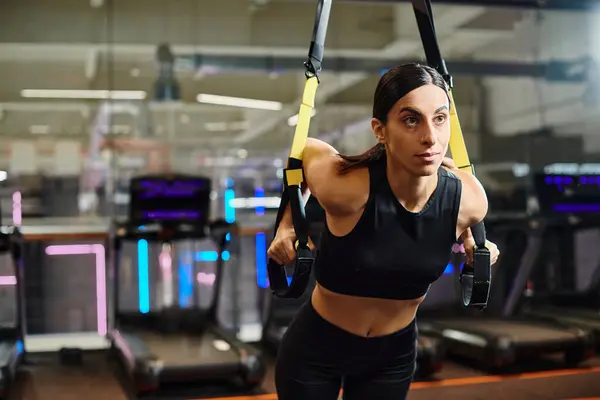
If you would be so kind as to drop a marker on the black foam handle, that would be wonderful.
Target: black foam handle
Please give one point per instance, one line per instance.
(479, 235)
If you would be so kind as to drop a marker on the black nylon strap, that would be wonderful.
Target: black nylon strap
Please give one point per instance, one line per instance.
(292, 194)
(475, 279)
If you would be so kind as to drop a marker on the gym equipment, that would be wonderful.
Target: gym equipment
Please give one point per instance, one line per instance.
(11, 333)
(279, 312)
(498, 338)
(475, 279)
(554, 295)
(293, 175)
(174, 342)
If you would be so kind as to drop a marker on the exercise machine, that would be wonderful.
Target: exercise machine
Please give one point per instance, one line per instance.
(279, 312)
(164, 340)
(562, 289)
(11, 328)
(498, 337)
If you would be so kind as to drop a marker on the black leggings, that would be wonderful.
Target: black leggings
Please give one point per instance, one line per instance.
(317, 358)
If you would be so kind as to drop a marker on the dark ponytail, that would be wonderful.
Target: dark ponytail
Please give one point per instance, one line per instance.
(348, 163)
(392, 86)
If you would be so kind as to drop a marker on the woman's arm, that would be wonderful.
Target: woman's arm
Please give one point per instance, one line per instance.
(473, 209)
(335, 193)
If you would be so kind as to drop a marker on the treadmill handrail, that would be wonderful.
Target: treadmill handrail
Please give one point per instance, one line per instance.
(528, 260)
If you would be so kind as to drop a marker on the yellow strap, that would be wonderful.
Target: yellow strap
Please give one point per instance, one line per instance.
(457, 141)
(304, 115)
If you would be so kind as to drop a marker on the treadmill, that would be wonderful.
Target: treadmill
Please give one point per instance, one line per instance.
(497, 337)
(279, 312)
(11, 332)
(164, 341)
(558, 293)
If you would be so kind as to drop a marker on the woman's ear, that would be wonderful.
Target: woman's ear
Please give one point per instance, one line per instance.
(378, 130)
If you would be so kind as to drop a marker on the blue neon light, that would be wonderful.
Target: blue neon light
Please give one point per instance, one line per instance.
(211, 256)
(229, 210)
(259, 193)
(186, 280)
(228, 237)
(143, 277)
(449, 269)
(261, 260)
(260, 241)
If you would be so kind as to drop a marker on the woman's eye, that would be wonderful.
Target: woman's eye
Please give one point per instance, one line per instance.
(440, 119)
(411, 121)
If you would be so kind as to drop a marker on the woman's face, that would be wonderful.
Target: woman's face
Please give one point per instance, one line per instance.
(417, 131)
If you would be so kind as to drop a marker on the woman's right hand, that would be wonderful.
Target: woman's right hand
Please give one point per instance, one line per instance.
(282, 249)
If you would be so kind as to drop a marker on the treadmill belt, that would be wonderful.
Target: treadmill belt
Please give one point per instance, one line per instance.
(188, 350)
(587, 318)
(520, 331)
(48, 380)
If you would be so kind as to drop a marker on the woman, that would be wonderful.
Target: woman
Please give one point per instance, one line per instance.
(392, 216)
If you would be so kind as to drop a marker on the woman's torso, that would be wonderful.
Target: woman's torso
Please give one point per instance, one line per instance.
(375, 267)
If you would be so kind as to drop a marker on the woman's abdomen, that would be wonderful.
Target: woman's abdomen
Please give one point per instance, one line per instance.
(364, 316)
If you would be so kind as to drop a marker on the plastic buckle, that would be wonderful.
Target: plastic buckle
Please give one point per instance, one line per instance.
(304, 261)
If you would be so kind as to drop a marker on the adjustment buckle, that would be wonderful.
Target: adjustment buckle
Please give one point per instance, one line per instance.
(304, 261)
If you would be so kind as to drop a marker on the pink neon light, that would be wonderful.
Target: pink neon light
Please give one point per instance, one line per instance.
(8, 280)
(206, 279)
(165, 262)
(458, 248)
(17, 214)
(98, 250)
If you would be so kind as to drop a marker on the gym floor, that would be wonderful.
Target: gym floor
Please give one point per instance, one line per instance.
(544, 381)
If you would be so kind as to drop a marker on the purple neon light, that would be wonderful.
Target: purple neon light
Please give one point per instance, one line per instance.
(171, 214)
(175, 193)
(8, 280)
(576, 207)
(99, 251)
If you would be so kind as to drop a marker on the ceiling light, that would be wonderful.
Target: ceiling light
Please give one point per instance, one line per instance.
(239, 102)
(84, 94)
(39, 129)
(242, 153)
(293, 120)
(226, 126)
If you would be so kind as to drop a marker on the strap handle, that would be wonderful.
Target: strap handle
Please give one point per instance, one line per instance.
(475, 279)
(294, 175)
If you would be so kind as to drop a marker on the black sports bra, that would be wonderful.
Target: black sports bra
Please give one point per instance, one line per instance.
(392, 253)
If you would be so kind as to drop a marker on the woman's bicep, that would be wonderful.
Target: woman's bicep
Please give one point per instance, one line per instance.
(473, 203)
(319, 163)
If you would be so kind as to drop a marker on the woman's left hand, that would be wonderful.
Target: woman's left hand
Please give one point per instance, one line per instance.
(469, 246)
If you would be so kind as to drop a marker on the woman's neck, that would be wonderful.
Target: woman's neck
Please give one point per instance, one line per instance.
(412, 191)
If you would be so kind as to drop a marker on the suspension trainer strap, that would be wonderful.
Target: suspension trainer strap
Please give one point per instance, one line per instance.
(475, 279)
(294, 175)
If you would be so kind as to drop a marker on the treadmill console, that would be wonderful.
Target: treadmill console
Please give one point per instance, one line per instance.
(169, 199)
(569, 190)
